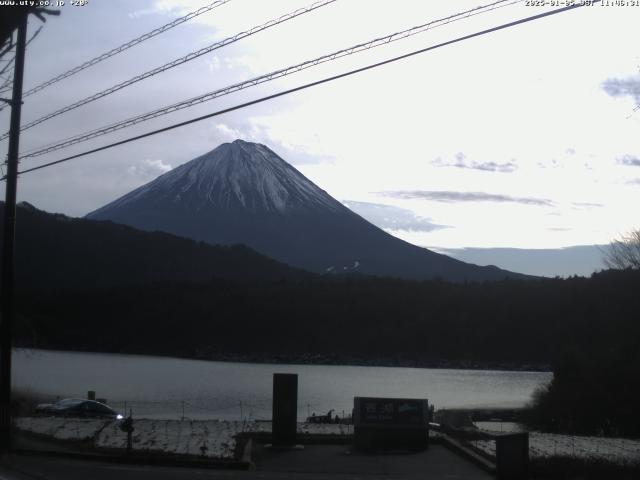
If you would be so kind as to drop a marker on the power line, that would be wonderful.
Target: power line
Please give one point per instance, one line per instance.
(126, 46)
(35, 34)
(176, 62)
(266, 78)
(9, 47)
(5, 85)
(307, 85)
(8, 66)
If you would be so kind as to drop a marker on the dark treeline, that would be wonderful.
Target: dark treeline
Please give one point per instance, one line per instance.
(509, 322)
(60, 252)
(594, 391)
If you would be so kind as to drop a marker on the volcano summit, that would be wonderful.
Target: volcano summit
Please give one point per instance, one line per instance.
(243, 192)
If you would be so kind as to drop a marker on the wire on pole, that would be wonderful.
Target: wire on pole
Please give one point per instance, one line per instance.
(11, 64)
(308, 85)
(176, 62)
(125, 46)
(377, 42)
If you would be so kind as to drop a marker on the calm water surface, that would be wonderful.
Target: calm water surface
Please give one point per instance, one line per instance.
(159, 387)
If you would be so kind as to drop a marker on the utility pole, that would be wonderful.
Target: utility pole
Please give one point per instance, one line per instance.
(6, 292)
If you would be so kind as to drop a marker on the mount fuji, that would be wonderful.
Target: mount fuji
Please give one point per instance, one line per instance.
(243, 192)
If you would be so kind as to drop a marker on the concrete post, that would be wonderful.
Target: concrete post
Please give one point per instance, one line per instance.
(512, 456)
(285, 409)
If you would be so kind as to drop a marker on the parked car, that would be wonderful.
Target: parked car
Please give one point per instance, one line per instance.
(77, 407)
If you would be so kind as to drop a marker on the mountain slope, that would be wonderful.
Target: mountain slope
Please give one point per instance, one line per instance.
(243, 192)
(580, 260)
(54, 251)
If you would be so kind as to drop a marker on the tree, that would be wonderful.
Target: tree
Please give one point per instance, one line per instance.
(624, 252)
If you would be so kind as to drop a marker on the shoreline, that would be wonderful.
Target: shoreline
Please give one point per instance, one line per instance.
(326, 360)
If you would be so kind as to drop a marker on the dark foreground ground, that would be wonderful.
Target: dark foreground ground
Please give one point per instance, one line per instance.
(314, 462)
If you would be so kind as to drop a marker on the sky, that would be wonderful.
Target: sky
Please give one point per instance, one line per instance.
(526, 138)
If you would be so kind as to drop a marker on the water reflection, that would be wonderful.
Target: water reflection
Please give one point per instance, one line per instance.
(158, 387)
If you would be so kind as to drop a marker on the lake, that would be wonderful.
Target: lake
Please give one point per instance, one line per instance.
(161, 387)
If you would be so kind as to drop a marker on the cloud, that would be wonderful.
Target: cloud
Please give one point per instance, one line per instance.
(293, 153)
(230, 134)
(223, 132)
(142, 13)
(586, 205)
(450, 197)
(617, 87)
(389, 217)
(630, 160)
(176, 7)
(461, 162)
(213, 63)
(148, 169)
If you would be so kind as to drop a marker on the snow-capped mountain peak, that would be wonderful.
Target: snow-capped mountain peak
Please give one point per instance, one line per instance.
(237, 175)
(243, 192)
